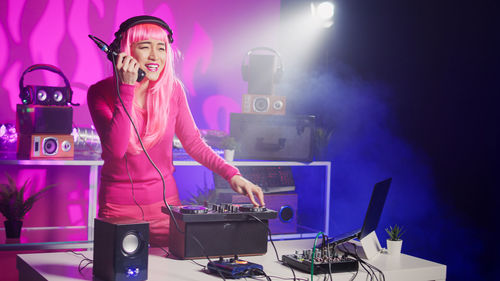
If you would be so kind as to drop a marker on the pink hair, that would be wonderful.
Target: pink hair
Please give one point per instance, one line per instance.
(158, 93)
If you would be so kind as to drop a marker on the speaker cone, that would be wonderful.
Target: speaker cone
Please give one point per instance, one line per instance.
(130, 243)
(49, 146)
(286, 214)
(261, 104)
(41, 95)
(58, 96)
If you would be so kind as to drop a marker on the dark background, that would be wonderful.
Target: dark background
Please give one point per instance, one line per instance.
(410, 90)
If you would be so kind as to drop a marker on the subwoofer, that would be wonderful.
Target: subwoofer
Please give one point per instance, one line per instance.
(283, 203)
(44, 146)
(120, 249)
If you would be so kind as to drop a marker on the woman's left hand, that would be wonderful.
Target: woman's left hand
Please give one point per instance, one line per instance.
(245, 187)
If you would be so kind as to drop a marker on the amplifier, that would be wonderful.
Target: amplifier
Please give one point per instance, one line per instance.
(44, 119)
(220, 229)
(273, 137)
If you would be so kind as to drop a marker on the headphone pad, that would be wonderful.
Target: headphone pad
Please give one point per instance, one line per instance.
(278, 75)
(26, 94)
(244, 72)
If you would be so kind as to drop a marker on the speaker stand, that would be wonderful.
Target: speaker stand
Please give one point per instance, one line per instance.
(366, 248)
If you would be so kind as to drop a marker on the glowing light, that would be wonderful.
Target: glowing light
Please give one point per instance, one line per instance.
(325, 10)
(323, 13)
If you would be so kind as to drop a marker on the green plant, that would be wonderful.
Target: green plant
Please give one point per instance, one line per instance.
(13, 206)
(395, 232)
(229, 142)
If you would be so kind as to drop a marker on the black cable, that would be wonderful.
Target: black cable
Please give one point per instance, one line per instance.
(199, 264)
(132, 184)
(285, 278)
(259, 272)
(140, 141)
(274, 246)
(365, 263)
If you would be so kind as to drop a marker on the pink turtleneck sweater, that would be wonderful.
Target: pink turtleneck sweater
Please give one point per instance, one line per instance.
(113, 127)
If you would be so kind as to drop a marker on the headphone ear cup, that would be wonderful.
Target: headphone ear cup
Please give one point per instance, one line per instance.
(26, 95)
(278, 75)
(244, 72)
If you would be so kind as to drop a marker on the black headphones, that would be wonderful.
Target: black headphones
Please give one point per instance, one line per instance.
(45, 95)
(115, 45)
(279, 70)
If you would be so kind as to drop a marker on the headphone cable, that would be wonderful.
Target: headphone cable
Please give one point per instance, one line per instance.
(142, 145)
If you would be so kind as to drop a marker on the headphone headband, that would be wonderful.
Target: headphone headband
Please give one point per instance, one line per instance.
(279, 69)
(126, 25)
(48, 67)
(39, 94)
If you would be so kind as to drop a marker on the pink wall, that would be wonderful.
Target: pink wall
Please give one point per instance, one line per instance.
(212, 38)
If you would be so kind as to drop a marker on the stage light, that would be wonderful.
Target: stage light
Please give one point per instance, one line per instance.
(323, 13)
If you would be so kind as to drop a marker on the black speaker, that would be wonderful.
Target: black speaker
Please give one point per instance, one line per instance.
(120, 249)
(273, 137)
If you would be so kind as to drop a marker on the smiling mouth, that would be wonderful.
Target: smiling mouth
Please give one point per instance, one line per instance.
(153, 67)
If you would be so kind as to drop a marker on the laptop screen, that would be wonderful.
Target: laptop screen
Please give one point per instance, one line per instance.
(375, 207)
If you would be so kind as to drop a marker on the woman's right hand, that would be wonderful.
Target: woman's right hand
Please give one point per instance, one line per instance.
(127, 68)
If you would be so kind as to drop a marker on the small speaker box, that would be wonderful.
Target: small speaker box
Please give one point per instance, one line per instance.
(286, 206)
(263, 104)
(120, 249)
(42, 119)
(38, 146)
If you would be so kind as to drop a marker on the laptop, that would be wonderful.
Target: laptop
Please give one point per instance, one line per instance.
(372, 217)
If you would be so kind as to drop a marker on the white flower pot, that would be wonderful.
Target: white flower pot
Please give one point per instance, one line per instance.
(394, 247)
(229, 155)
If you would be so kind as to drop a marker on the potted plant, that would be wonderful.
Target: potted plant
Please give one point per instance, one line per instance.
(394, 242)
(14, 206)
(229, 145)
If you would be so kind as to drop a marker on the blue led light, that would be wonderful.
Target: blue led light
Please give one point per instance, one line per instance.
(132, 272)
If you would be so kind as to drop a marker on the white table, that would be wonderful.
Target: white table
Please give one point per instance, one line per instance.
(64, 266)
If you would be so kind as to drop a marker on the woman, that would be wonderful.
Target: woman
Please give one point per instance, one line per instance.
(130, 186)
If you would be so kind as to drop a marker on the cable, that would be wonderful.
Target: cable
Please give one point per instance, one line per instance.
(274, 246)
(132, 184)
(85, 259)
(140, 141)
(313, 253)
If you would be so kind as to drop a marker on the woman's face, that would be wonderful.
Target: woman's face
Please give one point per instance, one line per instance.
(151, 55)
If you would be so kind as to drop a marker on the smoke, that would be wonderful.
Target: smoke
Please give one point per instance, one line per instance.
(365, 148)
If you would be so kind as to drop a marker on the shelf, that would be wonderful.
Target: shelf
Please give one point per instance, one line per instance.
(81, 237)
(43, 238)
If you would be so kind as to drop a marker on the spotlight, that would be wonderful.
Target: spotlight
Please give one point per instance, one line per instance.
(323, 13)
